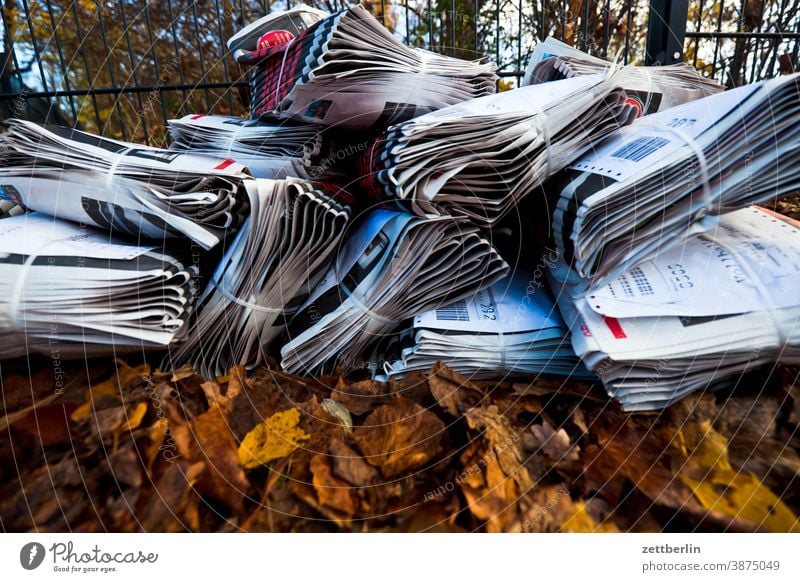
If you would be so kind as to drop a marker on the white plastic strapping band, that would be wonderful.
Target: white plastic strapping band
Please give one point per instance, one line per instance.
(248, 304)
(701, 160)
(363, 308)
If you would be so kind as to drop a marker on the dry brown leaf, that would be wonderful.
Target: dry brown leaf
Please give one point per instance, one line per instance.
(332, 492)
(9, 419)
(496, 502)
(504, 442)
(544, 509)
(400, 437)
(359, 397)
(214, 444)
(351, 466)
(452, 391)
(553, 443)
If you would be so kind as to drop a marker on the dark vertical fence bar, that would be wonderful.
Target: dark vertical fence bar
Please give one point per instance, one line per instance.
(87, 68)
(59, 71)
(140, 109)
(62, 64)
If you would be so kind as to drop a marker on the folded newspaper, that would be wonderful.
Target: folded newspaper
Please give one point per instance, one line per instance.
(673, 173)
(269, 150)
(649, 89)
(509, 329)
(127, 188)
(274, 262)
(70, 291)
(720, 304)
(480, 158)
(348, 70)
(392, 266)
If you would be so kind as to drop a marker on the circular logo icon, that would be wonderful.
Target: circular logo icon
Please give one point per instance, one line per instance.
(633, 101)
(31, 555)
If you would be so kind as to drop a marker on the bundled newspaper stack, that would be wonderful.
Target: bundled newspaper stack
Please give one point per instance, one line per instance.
(131, 189)
(480, 158)
(722, 303)
(269, 269)
(269, 150)
(68, 291)
(392, 267)
(509, 329)
(674, 173)
(649, 89)
(348, 70)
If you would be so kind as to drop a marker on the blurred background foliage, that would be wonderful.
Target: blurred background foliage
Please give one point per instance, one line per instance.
(124, 66)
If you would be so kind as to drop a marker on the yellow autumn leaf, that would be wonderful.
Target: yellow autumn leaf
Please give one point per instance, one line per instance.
(135, 417)
(719, 487)
(581, 522)
(276, 437)
(109, 388)
(504, 85)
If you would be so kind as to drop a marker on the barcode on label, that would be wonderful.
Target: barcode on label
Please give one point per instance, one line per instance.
(642, 282)
(454, 312)
(640, 148)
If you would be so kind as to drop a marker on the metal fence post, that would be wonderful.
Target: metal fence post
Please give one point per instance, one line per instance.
(666, 31)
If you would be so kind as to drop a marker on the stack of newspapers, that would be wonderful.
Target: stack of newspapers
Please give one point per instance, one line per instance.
(674, 173)
(393, 266)
(509, 329)
(348, 70)
(268, 270)
(126, 188)
(480, 158)
(650, 89)
(720, 304)
(269, 150)
(70, 291)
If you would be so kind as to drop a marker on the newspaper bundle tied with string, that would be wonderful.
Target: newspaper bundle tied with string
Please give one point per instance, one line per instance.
(269, 150)
(649, 89)
(70, 291)
(393, 265)
(696, 315)
(268, 270)
(348, 70)
(480, 158)
(128, 188)
(674, 173)
(507, 330)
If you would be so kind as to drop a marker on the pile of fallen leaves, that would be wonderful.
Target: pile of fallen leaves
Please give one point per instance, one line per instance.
(132, 449)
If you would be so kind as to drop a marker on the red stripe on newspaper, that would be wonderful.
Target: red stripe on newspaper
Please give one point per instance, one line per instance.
(224, 164)
(615, 327)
